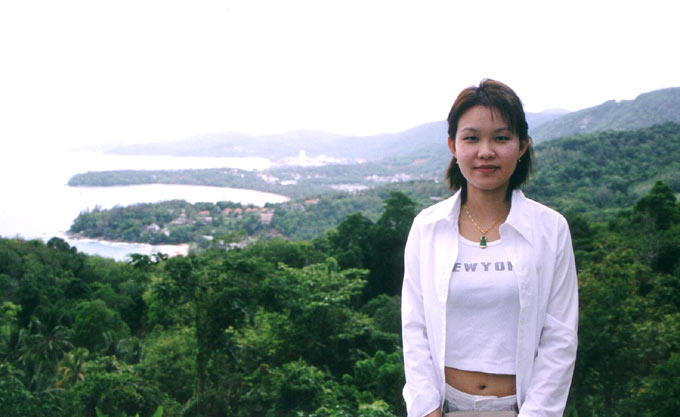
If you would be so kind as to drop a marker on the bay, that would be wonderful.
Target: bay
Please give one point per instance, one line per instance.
(37, 203)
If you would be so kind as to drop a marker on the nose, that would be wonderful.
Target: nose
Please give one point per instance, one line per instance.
(485, 150)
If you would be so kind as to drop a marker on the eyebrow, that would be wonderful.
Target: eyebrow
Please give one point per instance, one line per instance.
(472, 129)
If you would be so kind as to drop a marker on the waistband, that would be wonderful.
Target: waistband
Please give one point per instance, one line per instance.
(462, 401)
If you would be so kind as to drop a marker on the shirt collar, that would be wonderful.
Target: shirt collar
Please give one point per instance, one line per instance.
(518, 218)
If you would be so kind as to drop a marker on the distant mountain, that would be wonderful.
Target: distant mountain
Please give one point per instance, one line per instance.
(647, 109)
(538, 119)
(277, 147)
(288, 145)
(234, 144)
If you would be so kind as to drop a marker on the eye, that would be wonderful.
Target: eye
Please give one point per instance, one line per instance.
(470, 138)
(503, 138)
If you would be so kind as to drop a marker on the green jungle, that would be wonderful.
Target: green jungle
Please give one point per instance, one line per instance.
(292, 310)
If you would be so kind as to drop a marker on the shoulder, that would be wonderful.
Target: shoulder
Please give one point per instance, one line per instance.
(542, 215)
(436, 212)
(544, 212)
(549, 228)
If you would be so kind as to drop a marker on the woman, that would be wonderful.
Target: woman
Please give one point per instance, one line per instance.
(489, 299)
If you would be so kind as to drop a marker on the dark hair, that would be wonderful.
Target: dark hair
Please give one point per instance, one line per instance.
(494, 95)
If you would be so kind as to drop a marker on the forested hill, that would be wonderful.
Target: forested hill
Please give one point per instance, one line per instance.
(341, 148)
(647, 109)
(608, 169)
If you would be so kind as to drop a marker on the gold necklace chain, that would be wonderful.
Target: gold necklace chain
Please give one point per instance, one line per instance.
(482, 241)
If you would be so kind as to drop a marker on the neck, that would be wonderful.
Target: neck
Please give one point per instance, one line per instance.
(487, 206)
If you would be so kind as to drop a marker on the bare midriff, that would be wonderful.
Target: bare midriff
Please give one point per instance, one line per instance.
(480, 383)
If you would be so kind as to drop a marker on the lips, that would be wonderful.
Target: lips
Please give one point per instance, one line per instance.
(486, 169)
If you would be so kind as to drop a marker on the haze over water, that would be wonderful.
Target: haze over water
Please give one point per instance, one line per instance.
(37, 203)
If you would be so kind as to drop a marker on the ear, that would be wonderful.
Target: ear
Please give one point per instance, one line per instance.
(523, 147)
(452, 147)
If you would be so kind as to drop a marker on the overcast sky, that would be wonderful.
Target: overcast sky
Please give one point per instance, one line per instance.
(85, 72)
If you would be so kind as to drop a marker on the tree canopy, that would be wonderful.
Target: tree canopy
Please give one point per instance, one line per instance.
(309, 327)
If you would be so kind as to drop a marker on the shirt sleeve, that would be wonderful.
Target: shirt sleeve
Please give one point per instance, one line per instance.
(420, 392)
(556, 355)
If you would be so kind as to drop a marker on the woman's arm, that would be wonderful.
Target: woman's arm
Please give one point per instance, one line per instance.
(554, 363)
(420, 392)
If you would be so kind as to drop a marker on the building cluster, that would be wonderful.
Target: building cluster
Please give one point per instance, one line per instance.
(401, 177)
(266, 214)
(206, 217)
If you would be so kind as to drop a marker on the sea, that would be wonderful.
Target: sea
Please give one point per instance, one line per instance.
(37, 203)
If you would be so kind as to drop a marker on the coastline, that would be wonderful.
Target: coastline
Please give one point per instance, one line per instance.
(43, 206)
(120, 250)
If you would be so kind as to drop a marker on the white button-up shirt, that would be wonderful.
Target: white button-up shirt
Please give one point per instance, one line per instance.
(537, 242)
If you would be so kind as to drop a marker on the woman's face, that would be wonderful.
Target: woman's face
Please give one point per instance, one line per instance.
(486, 149)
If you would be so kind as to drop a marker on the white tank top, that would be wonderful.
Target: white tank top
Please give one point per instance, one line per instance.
(482, 311)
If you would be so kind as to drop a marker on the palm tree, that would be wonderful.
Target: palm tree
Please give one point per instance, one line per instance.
(71, 368)
(8, 328)
(40, 349)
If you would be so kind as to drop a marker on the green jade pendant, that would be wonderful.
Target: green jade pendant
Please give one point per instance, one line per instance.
(482, 242)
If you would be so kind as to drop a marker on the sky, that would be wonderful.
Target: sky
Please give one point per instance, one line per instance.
(101, 72)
